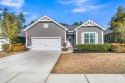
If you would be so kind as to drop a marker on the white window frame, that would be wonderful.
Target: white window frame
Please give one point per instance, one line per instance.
(96, 37)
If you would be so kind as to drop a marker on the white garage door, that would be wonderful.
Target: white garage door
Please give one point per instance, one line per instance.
(46, 43)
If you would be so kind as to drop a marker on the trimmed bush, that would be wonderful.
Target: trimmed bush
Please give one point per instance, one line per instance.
(15, 47)
(92, 47)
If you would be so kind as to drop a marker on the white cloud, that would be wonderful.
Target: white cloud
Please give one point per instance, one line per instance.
(72, 1)
(25, 13)
(87, 8)
(12, 3)
(80, 5)
(79, 10)
(66, 2)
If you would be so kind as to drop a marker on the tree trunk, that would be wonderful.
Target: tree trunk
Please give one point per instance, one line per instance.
(10, 45)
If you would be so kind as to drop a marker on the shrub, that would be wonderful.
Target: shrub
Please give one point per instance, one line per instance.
(92, 47)
(14, 48)
(117, 47)
(122, 47)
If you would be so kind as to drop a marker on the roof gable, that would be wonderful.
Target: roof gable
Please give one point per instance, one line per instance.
(90, 23)
(44, 19)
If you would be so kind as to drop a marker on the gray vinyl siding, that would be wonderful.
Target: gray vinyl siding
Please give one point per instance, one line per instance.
(53, 30)
(89, 29)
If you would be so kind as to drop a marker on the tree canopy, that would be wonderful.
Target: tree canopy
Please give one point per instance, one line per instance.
(22, 20)
(77, 23)
(11, 25)
(64, 24)
(32, 22)
(117, 24)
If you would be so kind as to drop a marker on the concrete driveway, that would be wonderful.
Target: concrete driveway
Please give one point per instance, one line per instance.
(27, 67)
(35, 67)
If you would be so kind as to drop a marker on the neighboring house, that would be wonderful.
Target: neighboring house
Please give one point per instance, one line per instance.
(4, 40)
(108, 37)
(47, 34)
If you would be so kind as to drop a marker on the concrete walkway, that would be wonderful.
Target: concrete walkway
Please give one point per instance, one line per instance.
(28, 67)
(85, 78)
(35, 67)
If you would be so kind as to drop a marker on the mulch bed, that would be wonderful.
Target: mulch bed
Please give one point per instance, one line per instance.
(90, 63)
(4, 54)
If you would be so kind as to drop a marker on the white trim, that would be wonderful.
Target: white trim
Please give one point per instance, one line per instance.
(65, 37)
(102, 37)
(82, 37)
(43, 19)
(97, 39)
(26, 43)
(76, 37)
(87, 23)
(45, 37)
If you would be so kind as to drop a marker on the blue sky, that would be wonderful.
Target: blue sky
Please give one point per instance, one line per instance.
(65, 11)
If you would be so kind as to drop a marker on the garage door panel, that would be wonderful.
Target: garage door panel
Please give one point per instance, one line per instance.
(46, 44)
(37, 44)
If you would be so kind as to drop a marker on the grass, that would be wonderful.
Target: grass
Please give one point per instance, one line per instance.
(90, 63)
(4, 54)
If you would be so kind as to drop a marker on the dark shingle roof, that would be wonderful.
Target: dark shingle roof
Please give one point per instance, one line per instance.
(72, 27)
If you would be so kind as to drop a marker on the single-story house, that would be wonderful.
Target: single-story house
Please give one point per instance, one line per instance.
(47, 34)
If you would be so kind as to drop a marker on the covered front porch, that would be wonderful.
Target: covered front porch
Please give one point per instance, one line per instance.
(71, 38)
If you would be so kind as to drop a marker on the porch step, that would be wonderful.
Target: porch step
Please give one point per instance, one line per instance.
(70, 48)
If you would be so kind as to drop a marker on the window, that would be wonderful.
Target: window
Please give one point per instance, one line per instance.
(109, 38)
(89, 38)
(2, 41)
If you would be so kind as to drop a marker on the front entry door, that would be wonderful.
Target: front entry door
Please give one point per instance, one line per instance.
(70, 40)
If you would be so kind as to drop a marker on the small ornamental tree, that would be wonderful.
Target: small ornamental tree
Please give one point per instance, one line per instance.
(117, 24)
(10, 27)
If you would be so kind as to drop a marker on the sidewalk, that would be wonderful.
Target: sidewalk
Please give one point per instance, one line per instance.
(86, 78)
